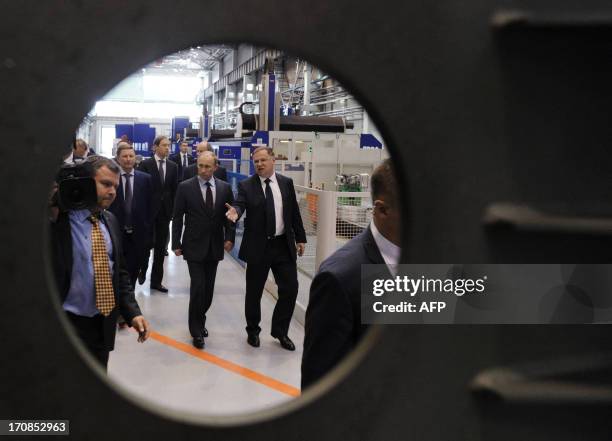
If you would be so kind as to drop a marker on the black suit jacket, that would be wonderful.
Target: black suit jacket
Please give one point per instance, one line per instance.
(176, 158)
(333, 317)
(192, 170)
(201, 225)
(163, 197)
(252, 199)
(142, 193)
(61, 242)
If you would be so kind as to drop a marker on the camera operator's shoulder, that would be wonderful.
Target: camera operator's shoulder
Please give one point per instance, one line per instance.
(110, 218)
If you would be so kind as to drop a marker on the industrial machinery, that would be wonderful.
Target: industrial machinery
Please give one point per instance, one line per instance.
(357, 182)
(312, 150)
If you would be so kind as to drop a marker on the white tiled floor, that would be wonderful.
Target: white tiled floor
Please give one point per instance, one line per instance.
(166, 376)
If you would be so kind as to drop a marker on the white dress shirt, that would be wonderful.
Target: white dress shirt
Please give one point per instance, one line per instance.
(388, 250)
(213, 189)
(278, 203)
(184, 160)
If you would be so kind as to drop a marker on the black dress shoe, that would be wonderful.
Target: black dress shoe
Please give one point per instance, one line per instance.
(205, 333)
(253, 340)
(141, 277)
(160, 288)
(286, 343)
(198, 342)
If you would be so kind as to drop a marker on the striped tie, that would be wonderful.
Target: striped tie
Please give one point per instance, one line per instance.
(105, 297)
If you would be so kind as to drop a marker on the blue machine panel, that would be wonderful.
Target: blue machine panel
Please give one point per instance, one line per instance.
(124, 129)
(179, 123)
(229, 152)
(369, 141)
(271, 101)
(261, 137)
(143, 139)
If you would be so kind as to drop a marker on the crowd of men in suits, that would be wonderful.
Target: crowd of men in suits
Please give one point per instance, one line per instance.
(134, 210)
(193, 193)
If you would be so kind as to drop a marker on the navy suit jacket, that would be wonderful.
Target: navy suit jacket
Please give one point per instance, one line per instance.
(61, 242)
(201, 225)
(252, 199)
(333, 316)
(142, 218)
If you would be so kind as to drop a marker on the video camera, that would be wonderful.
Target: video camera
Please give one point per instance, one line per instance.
(76, 187)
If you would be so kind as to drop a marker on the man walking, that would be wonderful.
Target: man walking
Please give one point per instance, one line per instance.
(273, 236)
(132, 208)
(89, 265)
(164, 176)
(201, 201)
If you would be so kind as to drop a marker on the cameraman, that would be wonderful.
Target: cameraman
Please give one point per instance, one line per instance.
(89, 266)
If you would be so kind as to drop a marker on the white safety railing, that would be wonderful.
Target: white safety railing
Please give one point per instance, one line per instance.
(330, 219)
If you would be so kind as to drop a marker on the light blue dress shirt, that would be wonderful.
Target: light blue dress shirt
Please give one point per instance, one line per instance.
(81, 298)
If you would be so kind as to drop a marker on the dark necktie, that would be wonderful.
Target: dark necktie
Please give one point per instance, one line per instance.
(270, 215)
(209, 197)
(103, 282)
(128, 200)
(183, 167)
(161, 171)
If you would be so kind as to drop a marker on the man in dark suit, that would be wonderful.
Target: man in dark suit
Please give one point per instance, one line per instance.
(164, 175)
(201, 200)
(183, 159)
(132, 208)
(86, 244)
(333, 317)
(191, 171)
(273, 235)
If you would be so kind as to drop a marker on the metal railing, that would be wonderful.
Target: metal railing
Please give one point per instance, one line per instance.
(330, 219)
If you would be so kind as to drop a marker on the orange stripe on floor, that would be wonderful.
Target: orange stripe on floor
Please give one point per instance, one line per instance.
(228, 365)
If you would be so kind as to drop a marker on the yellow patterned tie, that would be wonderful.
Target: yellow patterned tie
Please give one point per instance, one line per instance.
(105, 296)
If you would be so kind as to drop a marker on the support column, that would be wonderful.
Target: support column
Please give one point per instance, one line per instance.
(306, 105)
(214, 109)
(229, 102)
(248, 88)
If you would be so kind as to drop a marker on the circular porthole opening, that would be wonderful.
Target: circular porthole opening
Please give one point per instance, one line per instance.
(222, 200)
